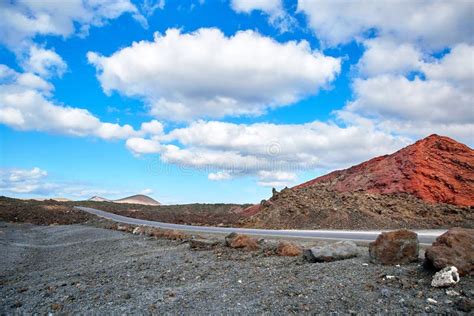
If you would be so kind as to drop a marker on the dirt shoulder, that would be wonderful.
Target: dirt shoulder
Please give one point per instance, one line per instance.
(80, 268)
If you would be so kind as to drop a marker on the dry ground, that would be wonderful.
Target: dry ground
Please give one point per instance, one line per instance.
(85, 269)
(40, 212)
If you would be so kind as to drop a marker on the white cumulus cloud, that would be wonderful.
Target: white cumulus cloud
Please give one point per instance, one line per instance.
(457, 67)
(37, 182)
(434, 24)
(273, 153)
(22, 20)
(439, 100)
(220, 175)
(44, 62)
(26, 104)
(139, 145)
(277, 16)
(207, 74)
(248, 6)
(153, 127)
(384, 56)
(23, 180)
(276, 178)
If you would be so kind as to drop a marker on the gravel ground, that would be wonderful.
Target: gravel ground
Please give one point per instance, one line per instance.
(80, 268)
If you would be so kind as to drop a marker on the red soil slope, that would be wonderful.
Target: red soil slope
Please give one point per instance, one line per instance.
(435, 169)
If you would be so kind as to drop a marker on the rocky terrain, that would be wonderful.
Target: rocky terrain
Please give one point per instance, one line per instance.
(319, 206)
(193, 214)
(87, 269)
(46, 212)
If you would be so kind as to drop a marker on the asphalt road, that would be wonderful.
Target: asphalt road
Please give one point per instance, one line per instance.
(425, 237)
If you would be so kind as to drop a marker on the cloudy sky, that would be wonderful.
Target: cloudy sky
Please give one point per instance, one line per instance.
(219, 101)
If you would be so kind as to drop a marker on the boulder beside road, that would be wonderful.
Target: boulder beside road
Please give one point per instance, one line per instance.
(395, 247)
(453, 248)
(336, 251)
(235, 240)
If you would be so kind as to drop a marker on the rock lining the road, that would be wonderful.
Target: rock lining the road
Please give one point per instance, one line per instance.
(395, 247)
(340, 250)
(453, 248)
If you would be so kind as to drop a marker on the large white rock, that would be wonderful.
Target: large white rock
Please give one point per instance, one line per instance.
(447, 277)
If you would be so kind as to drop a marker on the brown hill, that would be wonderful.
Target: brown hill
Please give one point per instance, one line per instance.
(434, 169)
(138, 199)
(96, 198)
(425, 185)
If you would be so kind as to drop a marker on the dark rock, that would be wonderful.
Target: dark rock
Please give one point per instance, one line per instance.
(336, 251)
(229, 238)
(465, 304)
(453, 248)
(202, 244)
(396, 247)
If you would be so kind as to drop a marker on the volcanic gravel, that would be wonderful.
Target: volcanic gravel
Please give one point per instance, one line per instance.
(80, 268)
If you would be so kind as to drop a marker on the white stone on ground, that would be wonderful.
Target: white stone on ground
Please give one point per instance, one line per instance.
(447, 277)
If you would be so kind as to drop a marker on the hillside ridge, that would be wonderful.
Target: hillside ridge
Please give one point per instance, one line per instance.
(436, 169)
(133, 199)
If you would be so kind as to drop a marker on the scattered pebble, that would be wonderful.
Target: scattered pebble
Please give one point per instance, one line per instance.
(452, 293)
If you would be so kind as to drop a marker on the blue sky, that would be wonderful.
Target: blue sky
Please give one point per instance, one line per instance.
(219, 101)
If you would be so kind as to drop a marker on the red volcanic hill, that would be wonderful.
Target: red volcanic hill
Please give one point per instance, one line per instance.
(436, 169)
(429, 184)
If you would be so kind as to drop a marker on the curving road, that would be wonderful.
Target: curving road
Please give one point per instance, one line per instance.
(425, 237)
